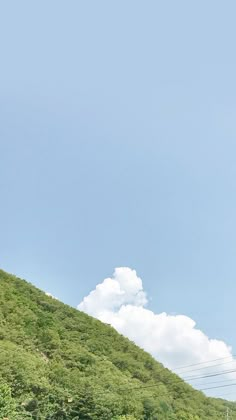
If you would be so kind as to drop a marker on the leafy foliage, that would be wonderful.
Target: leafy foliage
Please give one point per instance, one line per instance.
(58, 363)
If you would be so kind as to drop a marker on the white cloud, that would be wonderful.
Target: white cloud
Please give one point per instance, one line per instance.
(50, 295)
(124, 288)
(174, 340)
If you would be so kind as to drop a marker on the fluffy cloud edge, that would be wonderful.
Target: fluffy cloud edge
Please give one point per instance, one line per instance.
(174, 340)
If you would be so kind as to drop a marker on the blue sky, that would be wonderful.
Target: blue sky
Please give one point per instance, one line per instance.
(117, 147)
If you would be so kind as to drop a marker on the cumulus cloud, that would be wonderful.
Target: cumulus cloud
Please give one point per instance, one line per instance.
(125, 287)
(174, 340)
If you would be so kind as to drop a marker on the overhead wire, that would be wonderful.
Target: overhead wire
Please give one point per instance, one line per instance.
(167, 392)
(206, 367)
(224, 372)
(218, 382)
(193, 378)
(205, 362)
(179, 381)
(182, 379)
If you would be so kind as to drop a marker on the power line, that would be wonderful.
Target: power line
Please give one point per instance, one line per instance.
(189, 390)
(199, 363)
(224, 372)
(219, 386)
(217, 382)
(182, 381)
(192, 378)
(196, 364)
(206, 367)
(167, 392)
(225, 394)
(202, 363)
(179, 381)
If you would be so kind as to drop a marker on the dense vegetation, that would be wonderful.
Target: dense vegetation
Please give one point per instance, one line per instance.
(59, 363)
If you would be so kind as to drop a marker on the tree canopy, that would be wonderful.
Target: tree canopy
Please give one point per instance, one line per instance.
(59, 363)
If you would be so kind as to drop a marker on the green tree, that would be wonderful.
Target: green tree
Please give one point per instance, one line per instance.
(8, 406)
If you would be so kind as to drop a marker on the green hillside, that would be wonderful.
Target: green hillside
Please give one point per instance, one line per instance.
(59, 363)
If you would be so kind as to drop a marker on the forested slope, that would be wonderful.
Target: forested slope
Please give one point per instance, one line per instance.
(59, 363)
